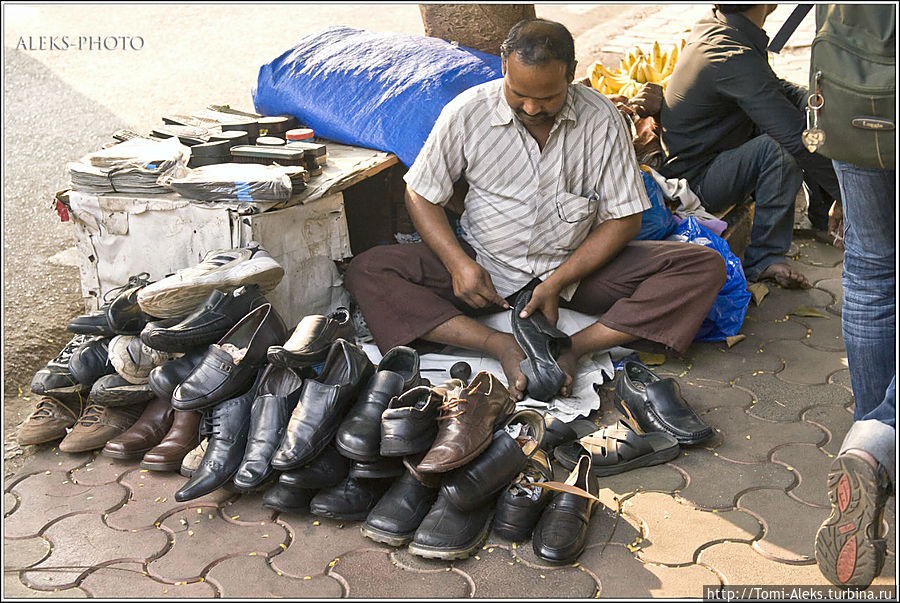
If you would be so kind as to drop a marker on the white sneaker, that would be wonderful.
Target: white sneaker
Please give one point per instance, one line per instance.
(225, 270)
(133, 359)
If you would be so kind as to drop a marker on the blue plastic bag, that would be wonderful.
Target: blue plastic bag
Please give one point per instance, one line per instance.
(657, 222)
(726, 316)
(376, 90)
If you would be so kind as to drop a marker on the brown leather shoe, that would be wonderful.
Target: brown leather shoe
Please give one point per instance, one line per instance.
(149, 430)
(98, 425)
(181, 439)
(47, 422)
(467, 422)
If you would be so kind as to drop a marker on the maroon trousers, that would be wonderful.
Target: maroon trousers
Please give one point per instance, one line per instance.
(654, 290)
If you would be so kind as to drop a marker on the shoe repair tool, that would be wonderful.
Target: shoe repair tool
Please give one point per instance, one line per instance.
(227, 109)
(813, 136)
(274, 125)
(250, 126)
(269, 141)
(234, 137)
(462, 371)
(299, 134)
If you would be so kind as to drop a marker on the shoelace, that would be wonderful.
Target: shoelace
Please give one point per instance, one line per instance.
(136, 280)
(66, 353)
(450, 407)
(45, 408)
(91, 415)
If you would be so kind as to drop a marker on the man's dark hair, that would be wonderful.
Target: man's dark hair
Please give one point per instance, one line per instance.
(727, 9)
(538, 41)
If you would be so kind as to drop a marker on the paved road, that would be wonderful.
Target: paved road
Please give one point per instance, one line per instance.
(62, 102)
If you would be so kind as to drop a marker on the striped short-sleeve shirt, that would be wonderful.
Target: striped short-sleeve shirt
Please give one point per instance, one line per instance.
(527, 210)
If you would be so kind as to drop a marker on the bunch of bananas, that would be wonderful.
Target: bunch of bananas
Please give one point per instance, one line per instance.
(636, 69)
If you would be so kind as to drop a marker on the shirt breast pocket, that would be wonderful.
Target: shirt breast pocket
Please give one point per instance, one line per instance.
(574, 219)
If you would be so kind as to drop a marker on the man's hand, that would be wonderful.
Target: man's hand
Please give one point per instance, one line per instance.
(473, 284)
(544, 298)
(648, 100)
(836, 224)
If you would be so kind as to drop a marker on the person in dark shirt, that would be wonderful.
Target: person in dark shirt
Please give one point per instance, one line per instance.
(731, 127)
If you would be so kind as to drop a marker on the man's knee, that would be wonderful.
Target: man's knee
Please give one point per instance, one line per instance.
(707, 265)
(778, 160)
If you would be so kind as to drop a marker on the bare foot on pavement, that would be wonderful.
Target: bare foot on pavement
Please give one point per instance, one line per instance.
(785, 276)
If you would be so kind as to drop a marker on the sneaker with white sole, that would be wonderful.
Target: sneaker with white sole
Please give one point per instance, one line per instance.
(225, 270)
(133, 359)
(55, 379)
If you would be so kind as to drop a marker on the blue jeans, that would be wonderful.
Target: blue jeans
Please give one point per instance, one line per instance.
(763, 167)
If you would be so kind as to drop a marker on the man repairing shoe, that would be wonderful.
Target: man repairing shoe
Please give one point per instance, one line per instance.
(731, 127)
(554, 198)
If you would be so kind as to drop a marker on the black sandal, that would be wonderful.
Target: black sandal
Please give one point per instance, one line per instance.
(618, 448)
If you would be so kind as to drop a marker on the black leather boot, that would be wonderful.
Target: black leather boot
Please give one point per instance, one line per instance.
(278, 393)
(350, 500)
(400, 511)
(229, 423)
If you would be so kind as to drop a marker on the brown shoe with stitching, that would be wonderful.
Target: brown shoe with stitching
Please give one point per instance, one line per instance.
(47, 422)
(98, 425)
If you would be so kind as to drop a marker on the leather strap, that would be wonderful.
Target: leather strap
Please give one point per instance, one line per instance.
(568, 489)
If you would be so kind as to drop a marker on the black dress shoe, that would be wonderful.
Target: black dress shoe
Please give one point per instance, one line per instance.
(409, 423)
(561, 533)
(476, 483)
(328, 469)
(400, 511)
(229, 423)
(324, 402)
(654, 404)
(114, 390)
(276, 397)
(287, 499)
(542, 343)
(450, 533)
(377, 469)
(163, 379)
(359, 436)
(91, 361)
(312, 339)
(207, 324)
(92, 323)
(124, 315)
(218, 377)
(350, 500)
(520, 505)
(556, 432)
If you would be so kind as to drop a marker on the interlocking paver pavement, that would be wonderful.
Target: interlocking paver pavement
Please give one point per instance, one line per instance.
(733, 510)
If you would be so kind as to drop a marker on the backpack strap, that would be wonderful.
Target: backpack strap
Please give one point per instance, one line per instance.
(789, 26)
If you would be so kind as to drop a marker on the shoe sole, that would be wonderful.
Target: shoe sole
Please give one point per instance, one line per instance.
(124, 456)
(846, 552)
(354, 454)
(123, 396)
(388, 538)
(348, 517)
(179, 299)
(429, 552)
(173, 466)
(43, 440)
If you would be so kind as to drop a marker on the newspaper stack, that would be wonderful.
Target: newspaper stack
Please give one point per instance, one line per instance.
(133, 166)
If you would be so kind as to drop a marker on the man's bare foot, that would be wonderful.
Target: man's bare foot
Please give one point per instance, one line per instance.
(568, 362)
(507, 351)
(785, 276)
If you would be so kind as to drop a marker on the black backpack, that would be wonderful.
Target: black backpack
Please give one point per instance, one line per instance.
(853, 67)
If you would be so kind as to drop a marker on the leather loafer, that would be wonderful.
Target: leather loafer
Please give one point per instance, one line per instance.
(520, 505)
(450, 533)
(328, 469)
(92, 323)
(409, 423)
(124, 315)
(207, 324)
(115, 390)
(324, 401)
(229, 424)
(181, 438)
(477, 483)
(654, 404)
(467, 423)
(350, 500)
(561, 532)
(312, 339)
(556, 432)
(149, 430)
(542, 343)
(287, 499)
(397, 515)
(91, 361)
(218, 377)
(164, 378)
(381, 468)
(278, 393)
(359, 436)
